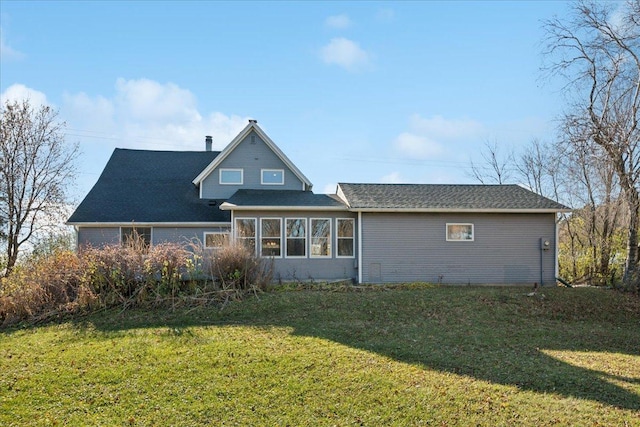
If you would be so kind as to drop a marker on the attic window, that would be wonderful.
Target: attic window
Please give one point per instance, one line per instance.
(231, 176)
(272, 177)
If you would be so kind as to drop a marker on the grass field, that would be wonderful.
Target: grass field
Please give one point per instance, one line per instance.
(442, 356)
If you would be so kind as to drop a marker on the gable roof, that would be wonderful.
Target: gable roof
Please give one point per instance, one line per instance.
(445, 198)
(282, 200)
(150, 187)
(252, 126)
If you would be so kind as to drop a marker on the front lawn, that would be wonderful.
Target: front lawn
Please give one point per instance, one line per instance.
(444, 356)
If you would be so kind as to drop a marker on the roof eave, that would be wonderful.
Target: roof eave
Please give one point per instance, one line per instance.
(458, 210)
(146, 224)
(231, 207)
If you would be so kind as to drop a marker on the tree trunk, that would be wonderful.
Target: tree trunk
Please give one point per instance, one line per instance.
(631, 267)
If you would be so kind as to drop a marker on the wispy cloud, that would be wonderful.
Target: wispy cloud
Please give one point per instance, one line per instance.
(7, 53)
(338, 21)
(427, 137)
(346, 54)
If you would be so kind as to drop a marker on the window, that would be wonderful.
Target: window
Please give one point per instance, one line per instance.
(136, 236)
(320, 237)
(296, 243)
(345, 237)
(231, 176)
(216, 240)
(272, 176)
(459, 232)
(245, 233)
(271, 237)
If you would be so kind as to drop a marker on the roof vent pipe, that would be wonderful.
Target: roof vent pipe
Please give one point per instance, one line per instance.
(208, 142)
(253, 121)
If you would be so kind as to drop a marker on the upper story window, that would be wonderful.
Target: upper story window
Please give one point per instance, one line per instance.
(460, 232)
(272, 176)
(231, 176)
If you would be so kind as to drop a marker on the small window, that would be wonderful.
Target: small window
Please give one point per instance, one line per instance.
(136, 236)
(460, 233)
(272, 177)
(320, 238)
(245, 233)
(216, 240)
(296, 242)
(270, 237)
(231, 176)
(345, 237)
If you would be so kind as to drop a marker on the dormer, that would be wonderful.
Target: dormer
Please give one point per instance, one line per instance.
(250, 161)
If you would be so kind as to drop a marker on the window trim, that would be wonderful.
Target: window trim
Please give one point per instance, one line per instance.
(238, 239)
(241, 170)
(286, 238)
(262, 237)
(473, 232)
(206, 233)
(262, 171)
(352, 238)
(329, 238)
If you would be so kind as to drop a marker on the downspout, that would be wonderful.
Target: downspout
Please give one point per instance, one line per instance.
(359, 247)
(556, 244)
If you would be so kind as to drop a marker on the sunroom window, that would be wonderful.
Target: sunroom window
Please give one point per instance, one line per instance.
(320, 237)
(271, 237)
(296, 237)
(245, 232)
(345, 237)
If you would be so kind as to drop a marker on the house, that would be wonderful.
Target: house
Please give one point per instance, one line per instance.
(252, 193)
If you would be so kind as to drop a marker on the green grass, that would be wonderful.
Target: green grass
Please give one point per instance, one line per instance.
(442, 356)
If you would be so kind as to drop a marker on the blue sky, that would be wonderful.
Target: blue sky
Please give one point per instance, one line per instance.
(350, 91)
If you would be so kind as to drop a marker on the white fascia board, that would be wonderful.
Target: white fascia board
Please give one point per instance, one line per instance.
(147, 224)
(230, 207)
(236, 141)
(454, 210)
(341, 195)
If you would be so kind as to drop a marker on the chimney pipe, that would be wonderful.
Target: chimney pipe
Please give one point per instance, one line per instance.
(208, 142)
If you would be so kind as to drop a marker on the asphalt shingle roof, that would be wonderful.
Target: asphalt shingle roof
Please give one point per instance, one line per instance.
(444, 197)
(283, 198)
(150, 186)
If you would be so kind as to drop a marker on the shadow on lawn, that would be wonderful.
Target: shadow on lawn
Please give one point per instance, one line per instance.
(494, 335)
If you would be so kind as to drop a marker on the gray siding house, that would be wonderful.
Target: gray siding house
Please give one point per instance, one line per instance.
(253, 194)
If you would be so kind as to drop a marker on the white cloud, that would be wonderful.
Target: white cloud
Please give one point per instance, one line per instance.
(393, 178)
(346, 54)
(147, 114)
(6, 51)
(338, 21)
(416, 146)
(427, 137)
(20, 92)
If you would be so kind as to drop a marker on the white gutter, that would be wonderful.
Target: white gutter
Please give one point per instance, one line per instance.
(455, 210)
(147, 224)
(231, 207)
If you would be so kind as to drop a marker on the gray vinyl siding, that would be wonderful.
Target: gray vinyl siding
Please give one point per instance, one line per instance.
(308, 268)
(412, 247)
(98, 236)
(251, 157)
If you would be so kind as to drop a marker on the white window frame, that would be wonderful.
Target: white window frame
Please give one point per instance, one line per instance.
(329, 238)
(352, 238)
(208, 233)
(473, 232)
(231, 170)
(238, 239)
(286, 238)
(262, 171)
(269, 237)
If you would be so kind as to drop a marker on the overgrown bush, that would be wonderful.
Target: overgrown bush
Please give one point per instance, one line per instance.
(133, 274)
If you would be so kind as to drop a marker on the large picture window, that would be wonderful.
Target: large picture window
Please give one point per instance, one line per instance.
(271, 237)
(460, 233)
(345, 237)
(231, 176)
(296, 242)
(245, 233)
(136, 236)
(320, 238)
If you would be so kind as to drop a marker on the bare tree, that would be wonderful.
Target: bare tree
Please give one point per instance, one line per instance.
(495, 168)
(35, 168)
(597, 50)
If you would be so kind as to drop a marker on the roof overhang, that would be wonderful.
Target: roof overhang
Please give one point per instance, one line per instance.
(231, 207)
(147, 224)
(456, 210)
